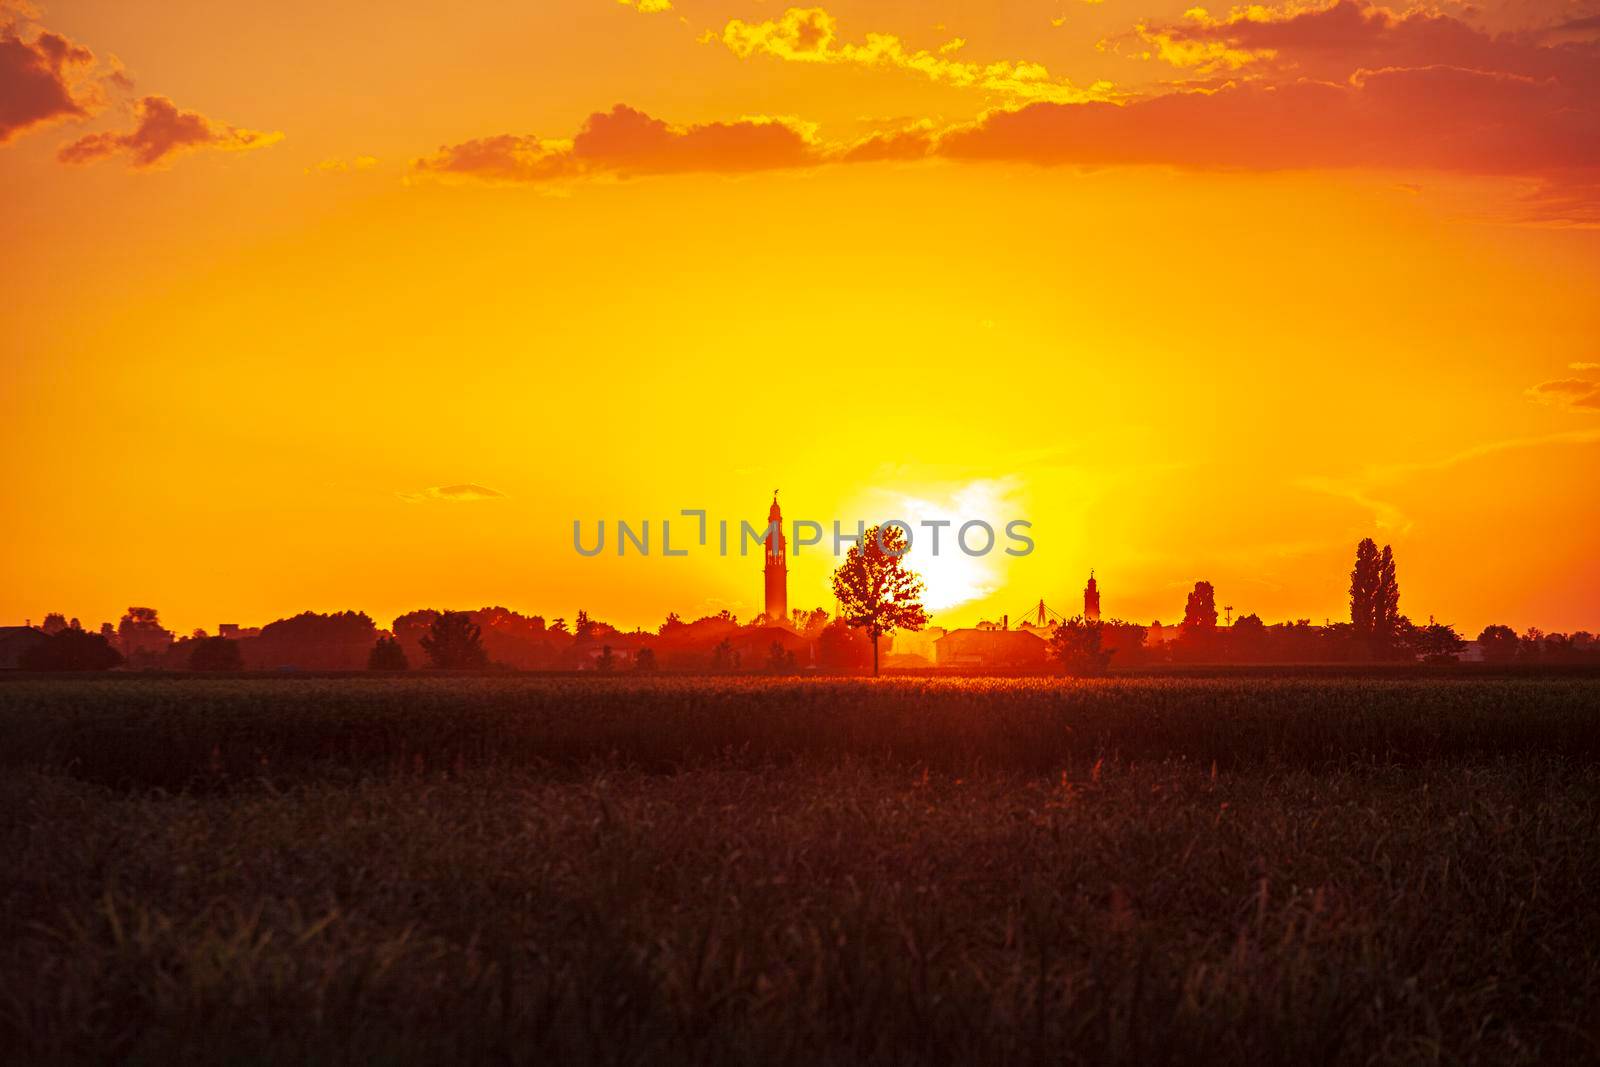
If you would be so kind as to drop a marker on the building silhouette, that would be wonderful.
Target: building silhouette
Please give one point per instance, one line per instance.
(1091, 600)
(991, 648)
(776, 572)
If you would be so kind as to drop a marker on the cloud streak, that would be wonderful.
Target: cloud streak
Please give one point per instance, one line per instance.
(810, 35)
(162, 130)
(625, 142)
(1574, 394)
(462, 493)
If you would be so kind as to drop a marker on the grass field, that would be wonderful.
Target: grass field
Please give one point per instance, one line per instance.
(616, 870)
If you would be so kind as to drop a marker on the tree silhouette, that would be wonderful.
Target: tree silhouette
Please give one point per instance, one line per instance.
(779, 659)
(1200, 612)
(1386, 603)
(841, 648)
(54, 623)
(1499, 644)
(1076, 645)
(1364, 590)
(215, 654)
(877, 592)
(606, 661)
(387, 655)
(70, 650)
(644, 659)
(1439, 643)
(1247, 639)
(454, 642)
(809, 622)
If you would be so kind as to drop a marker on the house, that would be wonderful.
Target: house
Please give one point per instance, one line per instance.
(915, 644)
(991, 649)
(14, 641)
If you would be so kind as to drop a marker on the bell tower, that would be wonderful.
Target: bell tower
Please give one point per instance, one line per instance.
(1091, 600)
(776, 572)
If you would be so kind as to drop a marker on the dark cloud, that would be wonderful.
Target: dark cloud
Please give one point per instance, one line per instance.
(161, 130)
(1333, 42)
(1577, 393)
(1443, 118)
(38, 79)
(895, 145)
(627, 142)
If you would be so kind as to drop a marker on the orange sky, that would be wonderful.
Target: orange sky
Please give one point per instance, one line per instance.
(1200, 295)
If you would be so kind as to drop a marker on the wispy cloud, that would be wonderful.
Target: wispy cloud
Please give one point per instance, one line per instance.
(1574, 394)
(1385, 515)
(466, 491)
(1397, 471)
(1360, 489)
(162, 130)
(811, 35)
(626, 142)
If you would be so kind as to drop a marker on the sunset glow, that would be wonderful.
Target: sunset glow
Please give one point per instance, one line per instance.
(323, 307)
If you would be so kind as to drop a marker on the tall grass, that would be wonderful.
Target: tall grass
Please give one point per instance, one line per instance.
(663, 871)
(190, 732)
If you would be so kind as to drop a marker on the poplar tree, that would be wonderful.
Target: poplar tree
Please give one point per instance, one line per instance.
(1364, 590)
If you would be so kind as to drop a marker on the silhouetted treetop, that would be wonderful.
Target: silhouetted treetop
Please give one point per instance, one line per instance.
(70, 650)
(455, 642)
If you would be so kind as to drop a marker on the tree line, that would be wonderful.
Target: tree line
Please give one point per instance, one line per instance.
(878, 595)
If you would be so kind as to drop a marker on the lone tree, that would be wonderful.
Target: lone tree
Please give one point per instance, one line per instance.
(454, 642)
(215, 654)
(876, 590)
(387, 655)
(1076, 646)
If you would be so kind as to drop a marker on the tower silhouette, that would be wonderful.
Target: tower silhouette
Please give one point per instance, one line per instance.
(777, 569)
(1091, 600)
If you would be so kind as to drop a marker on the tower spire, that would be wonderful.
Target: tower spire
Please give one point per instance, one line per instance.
(776, 572)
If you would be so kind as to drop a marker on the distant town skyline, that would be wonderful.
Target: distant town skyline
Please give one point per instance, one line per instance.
(771, 545)
(327, 311)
